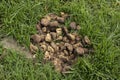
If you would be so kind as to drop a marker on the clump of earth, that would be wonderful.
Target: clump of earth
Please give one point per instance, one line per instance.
(61, 44)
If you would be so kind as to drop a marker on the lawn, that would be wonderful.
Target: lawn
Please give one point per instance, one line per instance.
(99, 19)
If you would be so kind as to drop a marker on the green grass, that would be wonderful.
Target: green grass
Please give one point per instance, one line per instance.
(99, 19)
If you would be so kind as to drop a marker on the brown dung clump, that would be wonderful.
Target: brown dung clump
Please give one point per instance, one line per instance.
(59, 45)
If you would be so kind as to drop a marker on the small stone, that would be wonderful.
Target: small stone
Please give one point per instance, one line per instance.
(66, 52)
(34, 56)
(59, 31)
(33, 48)
(44, 29)
(59, 38)
(71, 36)
(43, 43)
(45, 22)
(55, 47)
(60, 19)
(54, 24)
(47, 17)
(64, 15)
(65, 30)
(62, 53)
(78, 38)
(42, 37)
(57, 44)
(79, 44)
(73, 25)
(65, 39)
(50, 49)
(78, 27)
(47, 56)
(62, 47)
(69, 46)
(38, 27)
(36, 38)
(48, 38)
(43, 47)
(80, 50)
(53, 35)
(87, 40)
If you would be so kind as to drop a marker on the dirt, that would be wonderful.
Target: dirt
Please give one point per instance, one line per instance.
(10, 43)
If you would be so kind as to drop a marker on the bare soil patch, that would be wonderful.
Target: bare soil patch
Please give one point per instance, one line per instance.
(10, 43)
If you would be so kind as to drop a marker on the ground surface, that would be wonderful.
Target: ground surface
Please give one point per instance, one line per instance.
(99, 20)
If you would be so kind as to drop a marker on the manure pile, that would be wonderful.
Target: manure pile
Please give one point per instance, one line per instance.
(61, 44)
